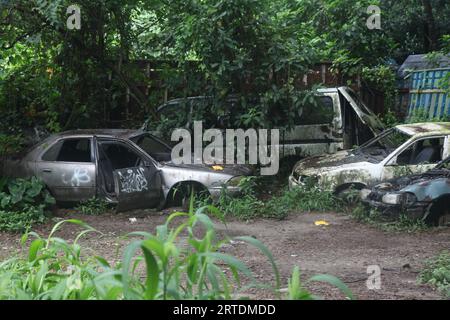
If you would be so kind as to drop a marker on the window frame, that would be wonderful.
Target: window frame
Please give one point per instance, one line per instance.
(92, 154)
(394, 155)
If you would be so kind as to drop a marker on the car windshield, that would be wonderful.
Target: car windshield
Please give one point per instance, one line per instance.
(154, 147)
(382, 145)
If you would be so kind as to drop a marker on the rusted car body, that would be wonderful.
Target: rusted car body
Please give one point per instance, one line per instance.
(423, 196)
(404, 149)
(128, 167)
(340, 121)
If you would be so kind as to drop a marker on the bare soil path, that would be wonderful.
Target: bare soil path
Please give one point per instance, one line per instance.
(345, 249)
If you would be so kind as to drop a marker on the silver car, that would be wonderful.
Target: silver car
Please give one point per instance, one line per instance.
(130, 168)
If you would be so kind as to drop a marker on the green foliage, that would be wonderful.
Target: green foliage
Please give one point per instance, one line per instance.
(437, 273)
(10, 144)
(23, 203)
(300, 199)
(155, 266)
(420, 115)
(390, 119)
(93, 207)
(403, 223)
(384, 79)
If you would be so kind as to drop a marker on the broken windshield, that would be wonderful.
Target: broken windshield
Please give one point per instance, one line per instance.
(382, 145)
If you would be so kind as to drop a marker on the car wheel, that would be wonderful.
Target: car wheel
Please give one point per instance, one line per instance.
(439, 214)
(181, 195)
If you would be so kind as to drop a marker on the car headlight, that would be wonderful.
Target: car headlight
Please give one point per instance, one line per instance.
(406, 199)
(392, 198)
(235, 181)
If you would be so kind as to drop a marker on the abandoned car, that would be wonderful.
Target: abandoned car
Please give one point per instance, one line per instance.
(422, 196)
(410, 148)
(128, 167)
(340, 121)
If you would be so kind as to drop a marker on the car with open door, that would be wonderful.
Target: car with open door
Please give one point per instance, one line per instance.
(338, 120)
(130, 168)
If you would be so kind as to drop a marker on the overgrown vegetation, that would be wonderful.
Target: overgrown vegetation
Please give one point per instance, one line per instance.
(61, 79)
(373, 217)
(154, 266)
(23, 203)
(437, 273)
(305, 198)
(93, 207)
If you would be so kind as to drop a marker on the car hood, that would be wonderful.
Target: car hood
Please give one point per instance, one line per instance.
(233, 169)
(321, 164)
(427, 185)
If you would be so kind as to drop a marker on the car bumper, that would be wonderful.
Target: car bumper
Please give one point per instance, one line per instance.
(416, 211)
(215, 192)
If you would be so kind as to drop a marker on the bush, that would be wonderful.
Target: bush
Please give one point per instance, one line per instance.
(437, 273)
(163, 268)
(93, 207)
(23, 202)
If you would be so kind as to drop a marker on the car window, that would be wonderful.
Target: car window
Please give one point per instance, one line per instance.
(321, 113)
(422, 152)
(119, 155)
(157, 150)
(70, 150)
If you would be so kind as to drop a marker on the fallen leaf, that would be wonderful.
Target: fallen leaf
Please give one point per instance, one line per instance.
(217, 168)
(321, 223)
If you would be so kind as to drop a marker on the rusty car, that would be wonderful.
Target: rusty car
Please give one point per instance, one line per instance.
(338, 121)
(409, 148)
(421, 196)
(130, 168)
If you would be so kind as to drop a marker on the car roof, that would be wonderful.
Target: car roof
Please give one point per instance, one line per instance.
(425, 128)
(113, 133)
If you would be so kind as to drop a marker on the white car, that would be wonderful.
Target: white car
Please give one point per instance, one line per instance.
(404, 149)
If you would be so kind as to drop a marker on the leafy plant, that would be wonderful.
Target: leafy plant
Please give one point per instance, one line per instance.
(156, 266)
(23, 202)
(93, 207)
(437, 273)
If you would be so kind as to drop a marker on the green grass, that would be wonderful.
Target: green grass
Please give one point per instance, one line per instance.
(374, 218)
(437, 273)
(301, 199)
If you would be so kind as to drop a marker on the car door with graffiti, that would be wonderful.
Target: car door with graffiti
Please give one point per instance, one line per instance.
(129, 175)
(68, 169)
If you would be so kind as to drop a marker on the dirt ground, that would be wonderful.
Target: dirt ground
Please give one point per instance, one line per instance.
(344, 249)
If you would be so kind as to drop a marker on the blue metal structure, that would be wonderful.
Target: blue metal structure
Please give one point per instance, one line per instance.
(427, 93)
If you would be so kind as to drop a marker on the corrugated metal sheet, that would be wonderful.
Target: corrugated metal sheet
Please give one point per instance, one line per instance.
(427, 94)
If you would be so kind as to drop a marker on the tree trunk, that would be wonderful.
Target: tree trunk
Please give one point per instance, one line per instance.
(430, 39)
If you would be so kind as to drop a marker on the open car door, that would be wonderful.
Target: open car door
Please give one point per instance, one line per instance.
(128, 175)
(364, 113)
